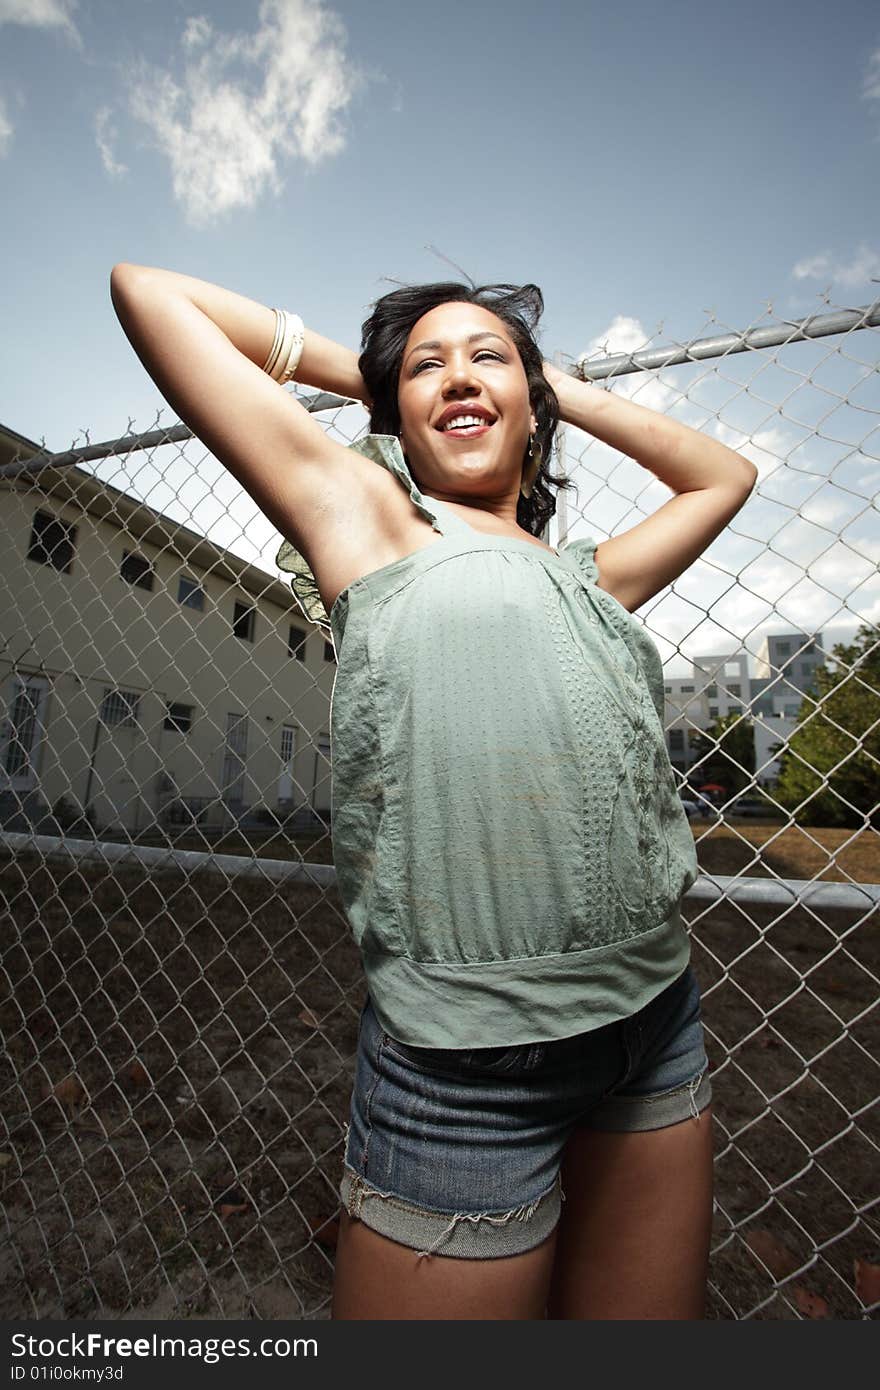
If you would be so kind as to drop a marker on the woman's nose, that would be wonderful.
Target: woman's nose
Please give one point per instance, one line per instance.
(459, 376)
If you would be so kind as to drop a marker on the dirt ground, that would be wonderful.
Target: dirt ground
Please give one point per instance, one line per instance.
(178, 1063)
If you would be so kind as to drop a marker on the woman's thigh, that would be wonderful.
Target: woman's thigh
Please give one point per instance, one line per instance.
(378, 1279)
(633, 1240)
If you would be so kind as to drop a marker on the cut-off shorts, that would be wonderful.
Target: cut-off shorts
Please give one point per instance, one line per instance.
(458, 1153)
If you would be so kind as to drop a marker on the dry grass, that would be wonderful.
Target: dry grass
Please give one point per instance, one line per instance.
(178, 1069)
(765, 849)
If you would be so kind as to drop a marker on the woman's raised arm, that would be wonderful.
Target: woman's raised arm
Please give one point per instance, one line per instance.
(205, 346)
(711, 481)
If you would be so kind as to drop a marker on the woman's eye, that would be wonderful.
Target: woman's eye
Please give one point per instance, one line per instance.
(430, 362)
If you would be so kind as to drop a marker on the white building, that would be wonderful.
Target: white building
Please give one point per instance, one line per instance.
(720, 684)
(147, 673)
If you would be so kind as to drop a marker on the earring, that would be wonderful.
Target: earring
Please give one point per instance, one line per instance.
(532, 468)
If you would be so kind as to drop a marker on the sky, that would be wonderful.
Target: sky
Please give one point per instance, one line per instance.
(664, 173)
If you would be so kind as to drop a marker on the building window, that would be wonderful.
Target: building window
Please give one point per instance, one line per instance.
(24, 725)
(178, 718)
(687, 690)
(329, 653)
(235, 757)
(734, 689)
(137, 570)
(676, 740)
(713, 711)
(711, 692)
(791, 711)
(296, 643)
(667, 689)
(244, 622)
(120, 707)
(783, 649)
(191, 594)
(52, 541)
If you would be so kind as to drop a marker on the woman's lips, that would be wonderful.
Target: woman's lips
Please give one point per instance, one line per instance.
(467, 432)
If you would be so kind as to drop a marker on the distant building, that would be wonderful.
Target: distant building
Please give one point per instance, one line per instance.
(147, 674)
(720, 684)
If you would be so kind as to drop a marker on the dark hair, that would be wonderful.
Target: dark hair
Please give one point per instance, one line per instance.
(383, 339)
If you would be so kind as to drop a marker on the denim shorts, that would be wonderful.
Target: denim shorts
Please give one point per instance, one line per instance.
(459, 1153)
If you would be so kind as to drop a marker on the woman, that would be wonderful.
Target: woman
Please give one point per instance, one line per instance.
(531, 1123)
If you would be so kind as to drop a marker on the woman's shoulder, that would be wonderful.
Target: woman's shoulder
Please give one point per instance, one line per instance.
(583, 552)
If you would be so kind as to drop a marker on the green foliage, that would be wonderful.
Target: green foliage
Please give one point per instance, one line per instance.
(729, 748)
(837, 738)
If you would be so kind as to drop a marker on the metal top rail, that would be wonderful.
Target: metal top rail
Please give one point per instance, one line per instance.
(786, 331)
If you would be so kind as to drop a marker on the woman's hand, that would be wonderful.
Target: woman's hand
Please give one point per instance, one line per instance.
(553, 374)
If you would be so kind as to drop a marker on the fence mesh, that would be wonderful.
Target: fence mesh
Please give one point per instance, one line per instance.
(180, 993)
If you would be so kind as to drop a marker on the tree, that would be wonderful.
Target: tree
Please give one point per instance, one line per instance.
(828, 774)
(728, 746)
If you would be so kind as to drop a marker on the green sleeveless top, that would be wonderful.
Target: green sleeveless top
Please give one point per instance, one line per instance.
(509, 844)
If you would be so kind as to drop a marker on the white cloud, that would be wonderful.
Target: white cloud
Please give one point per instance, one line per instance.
(105, 135)
(198, 30)
(858, 270)
(623, 334)
(5, 130)
(42, 14)
(244, 102)
(812, 267)
(871, 85)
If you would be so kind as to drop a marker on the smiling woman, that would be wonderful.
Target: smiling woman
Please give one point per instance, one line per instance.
(509, 846)
(421, 332)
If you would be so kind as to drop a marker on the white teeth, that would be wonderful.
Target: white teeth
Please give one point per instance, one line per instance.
(462, 421)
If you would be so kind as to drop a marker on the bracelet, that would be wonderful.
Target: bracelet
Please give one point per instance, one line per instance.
(287, 346)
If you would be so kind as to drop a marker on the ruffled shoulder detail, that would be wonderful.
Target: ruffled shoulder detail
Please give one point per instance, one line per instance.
(385, 450)
(583, 552)
(304, 585)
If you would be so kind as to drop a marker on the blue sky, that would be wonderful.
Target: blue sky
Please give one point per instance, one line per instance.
(654, 168)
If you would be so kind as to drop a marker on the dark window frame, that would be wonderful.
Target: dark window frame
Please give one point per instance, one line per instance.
(138, 580)
(296, 642)
(175, 723)
(197, 590)
(64, 544)
(244, 622)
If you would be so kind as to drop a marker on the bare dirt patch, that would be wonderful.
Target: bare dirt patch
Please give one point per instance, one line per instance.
(177, 1073)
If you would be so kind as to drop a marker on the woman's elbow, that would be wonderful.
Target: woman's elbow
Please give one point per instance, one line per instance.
(748, 473)
(125, 274)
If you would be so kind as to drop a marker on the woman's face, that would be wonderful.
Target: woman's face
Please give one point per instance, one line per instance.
(460, 360)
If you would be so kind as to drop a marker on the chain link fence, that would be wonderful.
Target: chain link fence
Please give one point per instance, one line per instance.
(180, 993)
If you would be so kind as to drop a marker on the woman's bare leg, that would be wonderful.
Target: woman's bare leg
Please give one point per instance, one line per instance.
(633, 1238)
(377, 1279)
